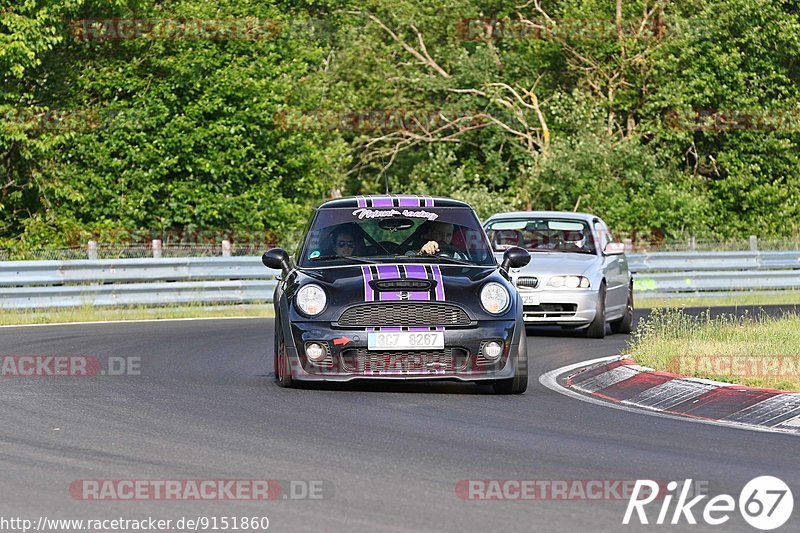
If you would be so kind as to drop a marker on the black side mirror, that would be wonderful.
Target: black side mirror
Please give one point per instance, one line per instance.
(515, 257)
(278, 259)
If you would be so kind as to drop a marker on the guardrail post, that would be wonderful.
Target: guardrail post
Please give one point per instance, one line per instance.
(692, 243)
(157, 249)
(226, 248)
(753, 243)
(91, 250)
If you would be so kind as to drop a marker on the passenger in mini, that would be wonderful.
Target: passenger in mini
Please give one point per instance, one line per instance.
(344, 242)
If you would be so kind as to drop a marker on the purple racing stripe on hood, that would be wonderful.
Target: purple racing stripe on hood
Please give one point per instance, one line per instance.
(437, 275)
(369, 294)
(417, 272)
(388, 272)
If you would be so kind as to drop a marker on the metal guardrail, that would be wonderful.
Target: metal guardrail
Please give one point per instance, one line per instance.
(669, 274)
(41, 284)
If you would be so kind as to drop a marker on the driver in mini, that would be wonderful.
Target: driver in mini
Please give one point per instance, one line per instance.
(439, 236)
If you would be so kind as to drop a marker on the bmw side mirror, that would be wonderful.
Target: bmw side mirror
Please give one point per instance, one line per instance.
(614, 248)
(515, 257)
(278, 259)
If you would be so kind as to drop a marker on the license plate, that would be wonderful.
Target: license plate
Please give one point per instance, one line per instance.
(405, 340)
(530, 299)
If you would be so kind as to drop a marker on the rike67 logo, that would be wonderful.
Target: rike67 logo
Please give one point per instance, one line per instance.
(765, 503)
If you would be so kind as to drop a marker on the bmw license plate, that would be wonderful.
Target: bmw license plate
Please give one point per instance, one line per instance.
(530, 299)
(405, 340)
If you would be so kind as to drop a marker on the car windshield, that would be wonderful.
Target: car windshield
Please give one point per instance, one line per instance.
(358, 235)
(541, 235)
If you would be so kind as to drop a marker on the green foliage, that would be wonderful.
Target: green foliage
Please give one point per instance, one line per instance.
(186, 133)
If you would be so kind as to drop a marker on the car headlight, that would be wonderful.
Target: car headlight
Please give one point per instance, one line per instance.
(494, 298)
(569, 282)
(311, 299)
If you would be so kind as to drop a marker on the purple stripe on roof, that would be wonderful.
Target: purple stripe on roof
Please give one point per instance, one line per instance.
(437, 275)
(381, 201)
(369, 294)
(362, 202)
(428, 201)
(409, 201)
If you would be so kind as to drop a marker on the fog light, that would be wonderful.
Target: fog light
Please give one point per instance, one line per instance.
(492, 350)
(315, 352)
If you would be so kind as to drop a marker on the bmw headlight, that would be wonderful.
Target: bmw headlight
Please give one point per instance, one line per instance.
(569, 282)
(311, 299)
(494, 298)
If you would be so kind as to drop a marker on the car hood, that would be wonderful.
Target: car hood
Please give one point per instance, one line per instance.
(557, 263)
(351, 284)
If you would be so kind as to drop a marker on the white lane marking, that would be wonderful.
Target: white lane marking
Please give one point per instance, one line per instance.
(133, 321)
(550, 380)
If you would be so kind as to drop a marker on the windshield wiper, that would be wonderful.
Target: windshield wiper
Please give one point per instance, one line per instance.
(443, 258)
(351, 259)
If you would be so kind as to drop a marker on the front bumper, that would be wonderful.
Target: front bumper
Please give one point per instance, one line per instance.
(559, 306)
(348, 357)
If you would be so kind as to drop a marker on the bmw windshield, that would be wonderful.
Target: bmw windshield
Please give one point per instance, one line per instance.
(361, 235)
(542, 235)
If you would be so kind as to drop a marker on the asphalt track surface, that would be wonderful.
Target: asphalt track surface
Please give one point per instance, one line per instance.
(206, 407)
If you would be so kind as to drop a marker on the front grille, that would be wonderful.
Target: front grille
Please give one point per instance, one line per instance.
(528, 282)
(363, 361)
(550, 310)
(404, 314)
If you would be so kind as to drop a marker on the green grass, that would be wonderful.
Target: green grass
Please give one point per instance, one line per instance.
(753, 351)
(96, 314)
(744, 298)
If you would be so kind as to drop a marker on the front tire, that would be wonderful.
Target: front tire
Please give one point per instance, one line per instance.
(597, 329)
(519, 383)
(625, 324)
(283, 371)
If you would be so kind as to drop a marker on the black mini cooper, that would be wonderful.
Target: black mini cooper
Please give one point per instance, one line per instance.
(398, 287)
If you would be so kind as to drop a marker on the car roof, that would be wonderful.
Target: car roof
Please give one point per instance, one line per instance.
(393, 200)
(587, 217)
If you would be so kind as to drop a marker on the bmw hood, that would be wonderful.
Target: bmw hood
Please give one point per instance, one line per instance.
(557, 264)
